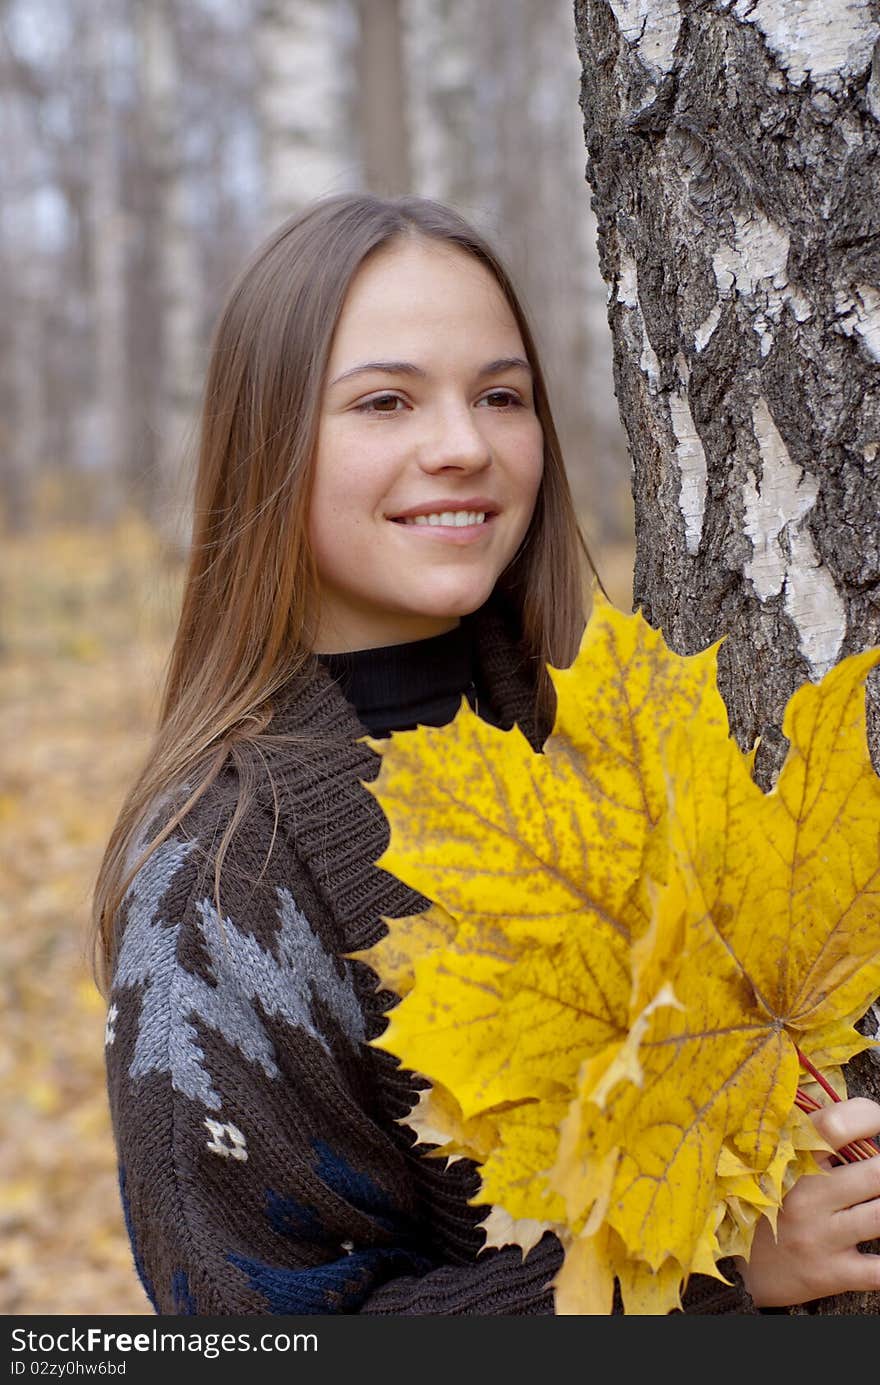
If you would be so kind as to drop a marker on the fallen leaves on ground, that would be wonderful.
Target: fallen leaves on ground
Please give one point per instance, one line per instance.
(86, 620)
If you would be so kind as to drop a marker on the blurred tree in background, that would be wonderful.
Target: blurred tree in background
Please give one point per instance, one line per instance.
(152, 143)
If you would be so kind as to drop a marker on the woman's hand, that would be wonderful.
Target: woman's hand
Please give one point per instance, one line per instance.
(822, 1220)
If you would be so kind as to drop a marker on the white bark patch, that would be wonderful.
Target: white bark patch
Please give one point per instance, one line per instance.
(775, 511)
(628, 294)
(755, 269)
(784, 497)
(649, 363)
(651, 27)
(628, 282)
(799, 305)
(868, 317)
(814, 605)
(872, 91)
(860, 312)
(704, 332)
(758, 256)
(691, 461)
(689, 451)
(829, 41)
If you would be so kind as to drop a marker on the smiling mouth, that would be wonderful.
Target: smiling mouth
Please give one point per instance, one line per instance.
(451, 519)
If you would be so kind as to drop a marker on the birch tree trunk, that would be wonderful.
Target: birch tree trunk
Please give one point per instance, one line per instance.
(177, 269)
(307, 101)
(24, 281)
(106, 428)
(438, 38)
(384, 123)
(734, 157)
(24, 457)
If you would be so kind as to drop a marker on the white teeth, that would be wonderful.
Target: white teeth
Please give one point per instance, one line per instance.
(456, 519)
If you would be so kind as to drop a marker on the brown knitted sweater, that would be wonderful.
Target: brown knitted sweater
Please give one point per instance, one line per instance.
(265, 1166)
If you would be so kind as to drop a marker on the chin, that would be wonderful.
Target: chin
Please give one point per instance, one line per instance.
(457, 603)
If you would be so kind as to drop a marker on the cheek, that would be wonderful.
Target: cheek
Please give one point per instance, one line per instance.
(326, 522)
(339, 516)
(351, 477)
(528, 478)
(537, 474)
(332, 484)
(530, 469)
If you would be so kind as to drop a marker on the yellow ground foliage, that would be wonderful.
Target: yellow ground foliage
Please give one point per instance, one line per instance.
(85, 621)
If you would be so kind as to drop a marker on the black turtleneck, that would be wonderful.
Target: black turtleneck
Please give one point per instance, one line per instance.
(401, 686)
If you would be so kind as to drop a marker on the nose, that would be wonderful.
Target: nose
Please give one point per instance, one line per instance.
(453, 441)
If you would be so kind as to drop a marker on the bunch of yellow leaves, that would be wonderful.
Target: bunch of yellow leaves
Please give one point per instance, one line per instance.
(626, 946)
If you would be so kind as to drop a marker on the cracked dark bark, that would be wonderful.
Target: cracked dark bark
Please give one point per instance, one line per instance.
(734, 161)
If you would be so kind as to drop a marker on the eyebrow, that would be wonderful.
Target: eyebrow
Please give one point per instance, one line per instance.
(407, 368)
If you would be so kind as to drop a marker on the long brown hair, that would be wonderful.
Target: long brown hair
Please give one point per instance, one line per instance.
(250, 577)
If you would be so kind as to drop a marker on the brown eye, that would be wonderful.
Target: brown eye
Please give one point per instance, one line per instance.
(501, 399)
(378, 404)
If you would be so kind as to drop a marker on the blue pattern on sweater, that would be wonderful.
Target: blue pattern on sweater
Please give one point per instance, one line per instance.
(291, 1218)
(339, 1287)
(129, 1226)
(356, 1187)
(183, 1301)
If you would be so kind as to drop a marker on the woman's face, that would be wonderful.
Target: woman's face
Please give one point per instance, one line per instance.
(429, 452)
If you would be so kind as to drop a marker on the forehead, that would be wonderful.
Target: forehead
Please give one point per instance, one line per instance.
(414, 289)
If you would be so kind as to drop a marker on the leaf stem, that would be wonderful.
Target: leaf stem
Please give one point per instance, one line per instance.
(859, 1149)
(816, 1074)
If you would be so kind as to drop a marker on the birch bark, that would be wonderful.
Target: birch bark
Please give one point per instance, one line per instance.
(177, 270)
(106, 430)
(733, 157)
(307, 106)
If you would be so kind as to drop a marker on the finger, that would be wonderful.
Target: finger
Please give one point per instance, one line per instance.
(858, 1223)
(849, 1184)
(855, 1272)
(844, 1121)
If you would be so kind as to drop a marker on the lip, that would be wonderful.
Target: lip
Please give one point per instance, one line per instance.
(475, 504)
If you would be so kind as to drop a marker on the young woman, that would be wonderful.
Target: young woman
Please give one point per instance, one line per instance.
(382, 525)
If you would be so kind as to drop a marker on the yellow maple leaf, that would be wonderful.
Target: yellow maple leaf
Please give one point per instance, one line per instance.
(511, 846)
(626, 942)
(777, 900)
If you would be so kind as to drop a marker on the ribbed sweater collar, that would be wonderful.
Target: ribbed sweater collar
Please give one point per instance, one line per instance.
(334, 824)
(399, 686)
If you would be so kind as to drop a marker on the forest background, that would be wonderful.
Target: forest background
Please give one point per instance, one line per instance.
(149, 145)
